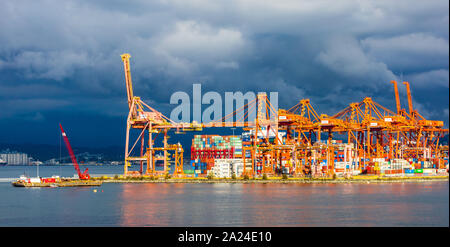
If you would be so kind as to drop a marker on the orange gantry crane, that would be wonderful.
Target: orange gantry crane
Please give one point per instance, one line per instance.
(418, 138)
(146, 119)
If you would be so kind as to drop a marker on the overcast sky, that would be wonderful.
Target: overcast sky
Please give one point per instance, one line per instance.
(60, 60)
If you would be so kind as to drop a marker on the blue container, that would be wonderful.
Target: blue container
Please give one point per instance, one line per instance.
(347, 166)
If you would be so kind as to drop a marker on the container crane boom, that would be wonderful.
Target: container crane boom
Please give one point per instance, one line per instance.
(408, 91)
(85, 175)
(397, 98)
(126, 65)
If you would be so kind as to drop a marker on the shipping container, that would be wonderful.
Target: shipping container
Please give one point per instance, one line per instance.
(409, 170)
(429, 171)
(188, 171)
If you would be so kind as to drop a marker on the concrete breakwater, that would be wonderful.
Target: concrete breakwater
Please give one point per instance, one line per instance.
(360, 179)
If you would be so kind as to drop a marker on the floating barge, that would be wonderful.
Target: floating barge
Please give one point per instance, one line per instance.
(54, 182)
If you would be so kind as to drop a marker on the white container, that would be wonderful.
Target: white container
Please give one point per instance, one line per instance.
(356, 172)
(341, 165)
(429, 171)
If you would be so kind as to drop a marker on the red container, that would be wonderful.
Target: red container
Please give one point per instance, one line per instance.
(209, 166)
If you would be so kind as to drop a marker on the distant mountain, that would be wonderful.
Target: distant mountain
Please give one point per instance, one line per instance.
(45, 152)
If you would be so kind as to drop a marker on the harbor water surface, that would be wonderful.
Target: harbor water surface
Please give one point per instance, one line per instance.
(161, 204)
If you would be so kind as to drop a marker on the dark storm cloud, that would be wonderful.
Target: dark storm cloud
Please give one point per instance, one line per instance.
(64, 57)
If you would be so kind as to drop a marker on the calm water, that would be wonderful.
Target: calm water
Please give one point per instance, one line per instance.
(399, 204)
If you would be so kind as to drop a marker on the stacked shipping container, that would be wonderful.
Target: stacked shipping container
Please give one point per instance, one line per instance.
(207, 148)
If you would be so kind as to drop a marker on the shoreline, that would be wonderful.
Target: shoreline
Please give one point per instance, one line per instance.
(362, 180)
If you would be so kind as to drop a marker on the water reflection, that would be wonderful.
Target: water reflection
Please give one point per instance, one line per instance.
(398, 204)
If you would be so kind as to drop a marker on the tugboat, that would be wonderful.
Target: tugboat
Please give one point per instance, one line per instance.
(84, 179)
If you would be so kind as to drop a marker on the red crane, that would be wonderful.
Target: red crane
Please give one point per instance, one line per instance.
(85, 175)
